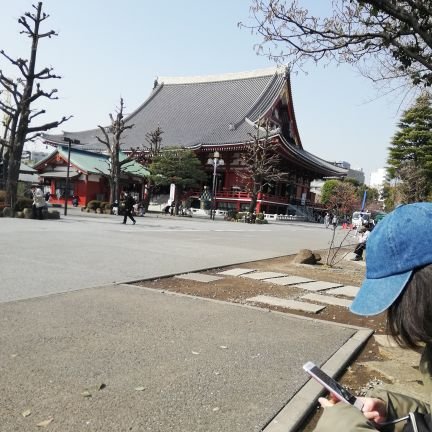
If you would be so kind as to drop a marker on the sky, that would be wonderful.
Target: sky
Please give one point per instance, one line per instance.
(109, 49)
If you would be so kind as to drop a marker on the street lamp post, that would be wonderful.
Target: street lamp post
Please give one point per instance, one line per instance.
(69, 141)
(215, 161)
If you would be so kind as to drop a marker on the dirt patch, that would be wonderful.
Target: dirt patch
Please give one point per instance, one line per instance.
(237, 289)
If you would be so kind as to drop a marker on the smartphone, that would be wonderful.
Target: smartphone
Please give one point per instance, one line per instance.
(332, 386)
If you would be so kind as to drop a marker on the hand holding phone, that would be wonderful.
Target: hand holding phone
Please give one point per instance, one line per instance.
(336, 389)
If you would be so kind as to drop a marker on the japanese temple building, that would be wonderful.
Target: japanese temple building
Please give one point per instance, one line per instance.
(221, 113)
(87, 175)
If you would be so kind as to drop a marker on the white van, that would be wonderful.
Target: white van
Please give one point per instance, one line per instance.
(359, 218)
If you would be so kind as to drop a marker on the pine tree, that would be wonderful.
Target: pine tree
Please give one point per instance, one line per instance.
(410, 153)
(177, 166)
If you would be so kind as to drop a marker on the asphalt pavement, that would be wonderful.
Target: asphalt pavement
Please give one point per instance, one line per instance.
(83, 350)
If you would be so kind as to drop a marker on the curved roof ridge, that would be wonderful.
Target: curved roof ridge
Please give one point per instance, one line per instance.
(292, 112)
(266, 99)
(222, 77)
(154, 92)
(316, 160)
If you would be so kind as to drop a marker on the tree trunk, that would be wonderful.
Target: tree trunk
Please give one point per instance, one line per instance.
(254, 197)
(22, 118)
(253, 202)
(12, 180)
(148, 196)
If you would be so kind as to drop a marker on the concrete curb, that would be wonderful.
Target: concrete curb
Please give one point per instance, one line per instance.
(290, 418)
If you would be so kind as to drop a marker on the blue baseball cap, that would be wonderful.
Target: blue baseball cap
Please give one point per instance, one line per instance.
(399, 244)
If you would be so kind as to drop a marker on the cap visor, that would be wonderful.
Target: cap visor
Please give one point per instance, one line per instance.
(377, 295)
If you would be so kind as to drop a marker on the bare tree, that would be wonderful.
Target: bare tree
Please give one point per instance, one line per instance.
(25, 91)
(4, 145)
(394, 35)
(154, 140)
(343, 199)
(112, 139)
(260, 164)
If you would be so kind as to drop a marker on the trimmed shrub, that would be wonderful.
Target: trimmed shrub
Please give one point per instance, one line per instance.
(231, 214)
(7, 212)
(105, 205)
(53, 215)
(93, 205)
(240, 216)
(28, 213)
(23, 203)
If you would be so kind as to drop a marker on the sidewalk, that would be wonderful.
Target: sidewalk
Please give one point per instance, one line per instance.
(125, 358)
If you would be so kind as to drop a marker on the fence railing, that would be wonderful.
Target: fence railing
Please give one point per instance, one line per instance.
(275, 217)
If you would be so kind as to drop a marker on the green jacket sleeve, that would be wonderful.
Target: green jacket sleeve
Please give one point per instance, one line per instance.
(399, 405)
(343, 417)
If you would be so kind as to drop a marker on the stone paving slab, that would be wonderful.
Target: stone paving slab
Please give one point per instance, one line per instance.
(404, 356)
(327, 300)
(393, 371)
(346, 290)
(318, 286)
(289, 304)
(288, 280)
(236, 272)
(263, 275)
(199, 277)
(385, 341)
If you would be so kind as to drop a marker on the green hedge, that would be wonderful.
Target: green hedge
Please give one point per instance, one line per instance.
(23, 203)
(94, 204)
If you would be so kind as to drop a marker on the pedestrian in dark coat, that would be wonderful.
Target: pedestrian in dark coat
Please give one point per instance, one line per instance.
(128, 206)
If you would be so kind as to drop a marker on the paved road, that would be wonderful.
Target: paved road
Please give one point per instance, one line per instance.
(51, 256)
(168, 362)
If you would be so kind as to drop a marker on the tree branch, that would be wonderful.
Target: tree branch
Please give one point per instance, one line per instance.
(40, 93)
(48, 126)
(32, 116)
(106, 142)
(46, 74)
(357, 30)
(20, 63)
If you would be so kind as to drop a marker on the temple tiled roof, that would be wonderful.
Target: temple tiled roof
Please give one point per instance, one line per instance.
(200, 112)
(197, 111)
(94, 163)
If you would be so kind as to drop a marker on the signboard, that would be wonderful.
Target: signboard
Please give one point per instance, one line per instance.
(172, 192)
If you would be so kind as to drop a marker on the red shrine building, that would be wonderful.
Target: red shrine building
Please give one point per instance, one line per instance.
(220, 114)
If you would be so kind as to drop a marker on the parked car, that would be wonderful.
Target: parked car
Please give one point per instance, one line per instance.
(360, 218)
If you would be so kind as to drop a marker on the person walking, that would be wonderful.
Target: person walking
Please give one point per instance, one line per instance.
(38, 202)
(334, 221)
(128, 208)
(398, 281)
(327, 220)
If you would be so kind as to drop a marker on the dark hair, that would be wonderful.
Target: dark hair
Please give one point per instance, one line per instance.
(409, 318)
